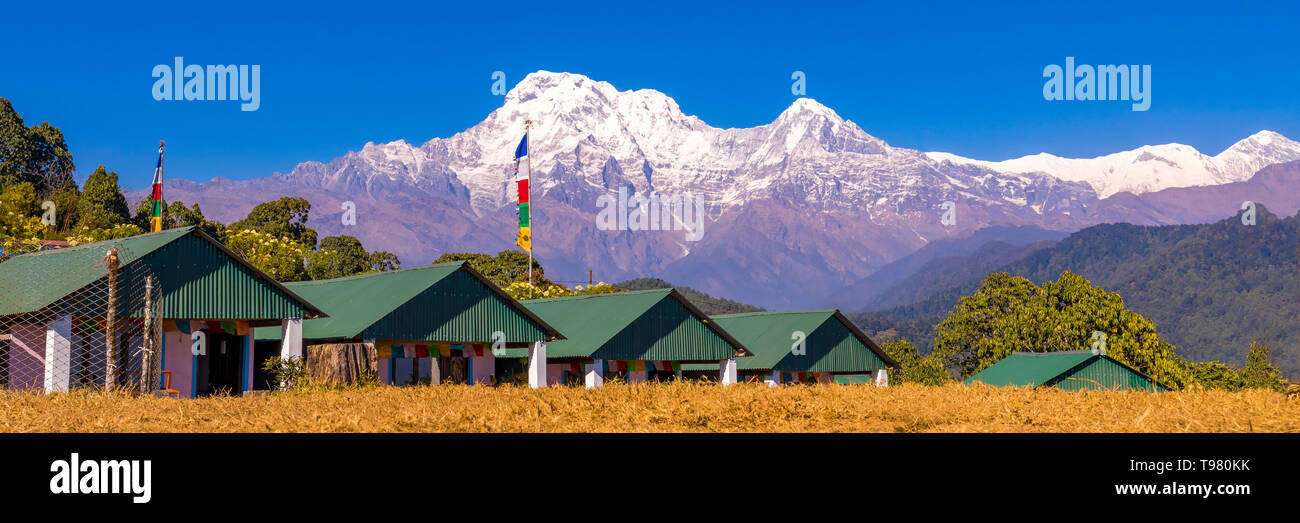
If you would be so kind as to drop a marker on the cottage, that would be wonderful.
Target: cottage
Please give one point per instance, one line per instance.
(638, 336)
(172, 309)
(808, 346)
(1069, 370)
(433, 324)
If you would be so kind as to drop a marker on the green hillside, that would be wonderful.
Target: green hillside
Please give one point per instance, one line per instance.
(1210, 289)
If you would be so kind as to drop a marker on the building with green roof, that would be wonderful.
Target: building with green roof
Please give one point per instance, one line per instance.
(437, 323)
(639, 334)
(804, 346)
(197, 297)
(1069, 370)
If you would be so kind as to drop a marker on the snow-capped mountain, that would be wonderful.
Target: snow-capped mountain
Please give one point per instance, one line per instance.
(795, 208)
(1152, 168)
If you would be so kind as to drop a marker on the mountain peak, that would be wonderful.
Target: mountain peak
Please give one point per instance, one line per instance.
(1263, 138)
(557, 87)
(808, 106)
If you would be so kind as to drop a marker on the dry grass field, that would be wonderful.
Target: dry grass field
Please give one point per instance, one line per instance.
(675, 407)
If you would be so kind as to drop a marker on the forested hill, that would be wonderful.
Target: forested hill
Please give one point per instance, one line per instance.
(706, 303)
(1210, 289)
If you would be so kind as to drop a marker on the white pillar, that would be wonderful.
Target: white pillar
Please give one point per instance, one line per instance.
(291, 337)
(594, 377)
(58, 354)
(727, 371)
(774, 379)
(435, 372)
(881, 378)
(537, 364)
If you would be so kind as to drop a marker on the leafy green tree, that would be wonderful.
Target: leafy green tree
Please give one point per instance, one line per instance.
(101, 205)
(340, 256)
(281, 258)
(1216, 375)
(283, 218)
(20, 230)
(505, 268)
(384, 261)
(15, 147)
(36, 155)
(176, 214)
(65, 208)
(50, 159)
(1009, 314)
(913, 367)
(1259, 372)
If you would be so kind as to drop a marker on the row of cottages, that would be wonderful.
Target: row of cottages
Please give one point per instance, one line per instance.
(1069, 370)
(442, 323)
(63, 313)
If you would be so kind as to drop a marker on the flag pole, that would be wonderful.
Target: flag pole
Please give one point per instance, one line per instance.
(528, 124)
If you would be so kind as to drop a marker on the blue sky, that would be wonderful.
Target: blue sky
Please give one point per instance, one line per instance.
(941, 76)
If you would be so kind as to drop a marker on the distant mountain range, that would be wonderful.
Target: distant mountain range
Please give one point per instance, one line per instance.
(1210, 289)
(797, 209)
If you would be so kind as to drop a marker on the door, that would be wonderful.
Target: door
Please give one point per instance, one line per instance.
(219, 370)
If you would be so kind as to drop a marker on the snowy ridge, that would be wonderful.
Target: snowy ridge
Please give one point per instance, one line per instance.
(1152, 167)
(589, 138)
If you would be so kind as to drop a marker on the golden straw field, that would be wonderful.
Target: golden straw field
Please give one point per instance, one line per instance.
(660, 407)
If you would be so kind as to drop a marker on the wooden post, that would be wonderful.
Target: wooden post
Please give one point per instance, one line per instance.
(110, 322)
(147, 379)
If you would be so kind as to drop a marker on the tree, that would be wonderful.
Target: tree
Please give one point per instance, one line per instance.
(176, 215)
(20, 230)
(1010, 314)
(913, 367)
(279, 257)
(1259, 372)
(101, 205)
(505, 268)
(65, 208)
(340, 256)
(50, 159)
(36, 155)
(283, 218)
(15, 147)
(1216, 375)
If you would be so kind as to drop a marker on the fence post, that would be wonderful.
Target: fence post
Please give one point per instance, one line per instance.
(110, 323)
(147, 379)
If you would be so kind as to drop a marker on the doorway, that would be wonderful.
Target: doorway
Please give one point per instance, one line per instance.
(219, 370)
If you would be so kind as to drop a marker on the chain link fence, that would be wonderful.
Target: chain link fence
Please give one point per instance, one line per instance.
(59, 333)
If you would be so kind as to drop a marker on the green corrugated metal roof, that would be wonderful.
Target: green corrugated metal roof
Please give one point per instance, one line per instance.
(439, 302)
(831, 341)
(1068, 369)
(198, 277)
(656, 324)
